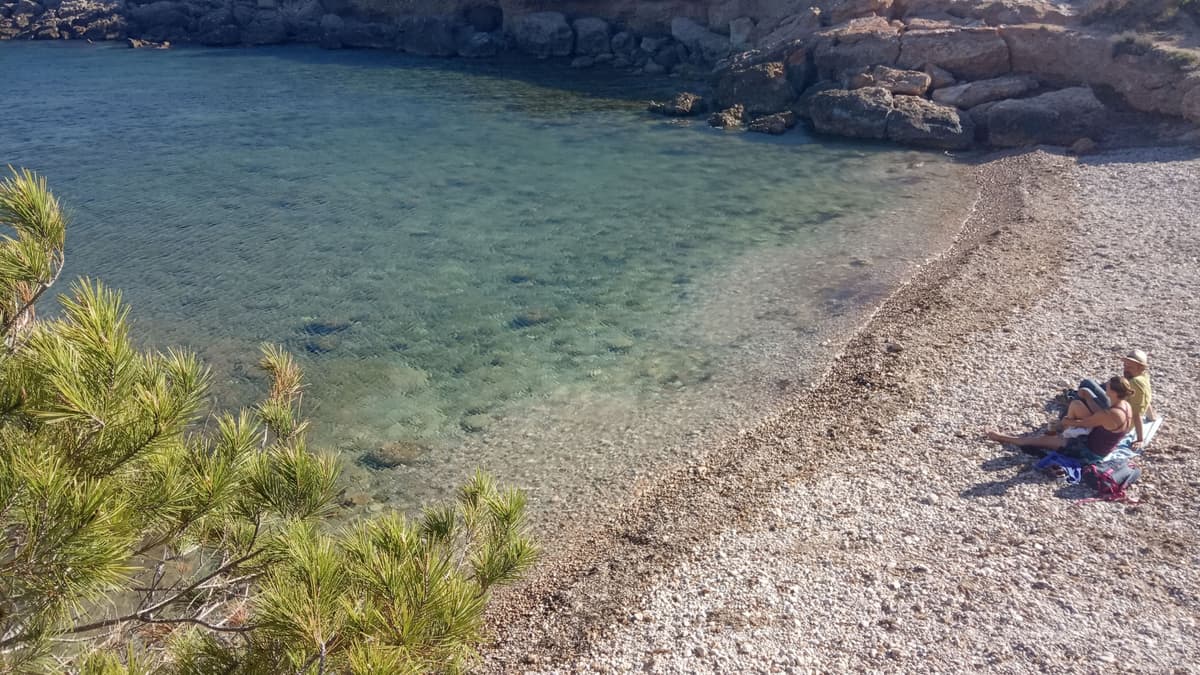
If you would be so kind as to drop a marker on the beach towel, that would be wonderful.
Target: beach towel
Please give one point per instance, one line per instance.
(1072, 469)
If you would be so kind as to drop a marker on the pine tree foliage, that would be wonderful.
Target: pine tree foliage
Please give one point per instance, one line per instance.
(138, 535)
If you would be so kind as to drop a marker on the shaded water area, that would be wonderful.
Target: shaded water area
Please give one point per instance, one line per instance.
(501, 265)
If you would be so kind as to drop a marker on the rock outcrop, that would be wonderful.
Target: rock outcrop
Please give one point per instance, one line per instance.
(760, 89)
(874, 113)
(968, 53)
(685, 104)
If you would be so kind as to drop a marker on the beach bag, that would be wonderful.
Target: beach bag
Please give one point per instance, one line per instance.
(1111, 479)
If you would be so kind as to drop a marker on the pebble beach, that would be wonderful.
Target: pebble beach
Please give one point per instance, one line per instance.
(870, 527)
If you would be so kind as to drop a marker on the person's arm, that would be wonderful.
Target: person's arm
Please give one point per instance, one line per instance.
(1097, 419)
(1137, 424)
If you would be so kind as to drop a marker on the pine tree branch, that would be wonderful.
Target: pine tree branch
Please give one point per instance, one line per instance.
(42, 288)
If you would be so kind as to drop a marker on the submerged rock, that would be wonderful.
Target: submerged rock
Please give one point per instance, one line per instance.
(684, 104)
(531, 317)
(325, 327)
(392, 455)
(728, 118)
(775, 124)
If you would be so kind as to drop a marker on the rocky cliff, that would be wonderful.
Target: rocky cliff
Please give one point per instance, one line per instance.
(939, 73)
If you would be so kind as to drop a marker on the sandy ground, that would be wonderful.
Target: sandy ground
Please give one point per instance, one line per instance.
(871, 527)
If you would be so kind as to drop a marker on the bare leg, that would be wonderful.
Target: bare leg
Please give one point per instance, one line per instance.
(1080, 409)
(1047, 442)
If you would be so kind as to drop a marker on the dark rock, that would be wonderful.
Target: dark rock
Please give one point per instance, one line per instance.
(939, 77)
(322, 344)
(544, 34)
(366, 35)
(430, 35)
(326, 327)
(583, 62)
(331, 27)
(773, 124)
(624, 43)
(667, 57)
(265, 29)
(702, 43)
(763, 88)
(1059, 118)
(479, 46)
(483, 18)
(162, 14)
(862, 113)
(802, 103)
(393, 454)
(220, 36)
(729, 118)
(918, 122)
(684, 104)
(652, 68)
(531, 317)
(591, 36)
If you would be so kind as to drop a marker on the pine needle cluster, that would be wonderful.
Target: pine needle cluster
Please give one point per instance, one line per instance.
(139, 535)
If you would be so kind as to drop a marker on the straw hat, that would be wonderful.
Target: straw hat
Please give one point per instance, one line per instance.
(1137, 356)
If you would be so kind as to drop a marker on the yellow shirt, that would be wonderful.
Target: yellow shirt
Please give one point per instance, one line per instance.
(1140, 399)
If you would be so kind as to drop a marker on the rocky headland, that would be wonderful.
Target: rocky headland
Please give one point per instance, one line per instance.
(946, 74)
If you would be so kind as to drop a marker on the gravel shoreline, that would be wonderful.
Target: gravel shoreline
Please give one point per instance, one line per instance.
(870, 527)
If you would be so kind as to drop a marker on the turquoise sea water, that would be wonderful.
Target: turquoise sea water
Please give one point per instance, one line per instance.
(505, 265)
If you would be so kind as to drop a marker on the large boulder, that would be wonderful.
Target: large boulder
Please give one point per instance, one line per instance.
(969, 53)
(1058, 118)
(918, 122)
(591, 36)
(862, 113)
(859, 43)
(544, 34)
(709, 46)
(760, 89)
(430, 35)
(971, 94)
(906, 82)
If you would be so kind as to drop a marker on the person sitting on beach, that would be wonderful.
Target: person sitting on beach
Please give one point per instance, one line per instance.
(1092, 399)
(1107, 426)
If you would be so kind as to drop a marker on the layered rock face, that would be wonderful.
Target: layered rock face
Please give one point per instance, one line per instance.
(943, 71)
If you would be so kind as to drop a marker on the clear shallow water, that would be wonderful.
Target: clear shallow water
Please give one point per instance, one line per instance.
(508, 265)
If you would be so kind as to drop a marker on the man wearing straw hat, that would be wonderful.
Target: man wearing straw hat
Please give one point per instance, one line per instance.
(1135, 366)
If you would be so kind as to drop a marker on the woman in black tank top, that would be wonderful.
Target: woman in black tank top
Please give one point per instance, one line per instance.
(1107, 426)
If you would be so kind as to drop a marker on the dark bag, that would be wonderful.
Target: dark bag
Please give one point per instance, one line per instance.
(1112, 478)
